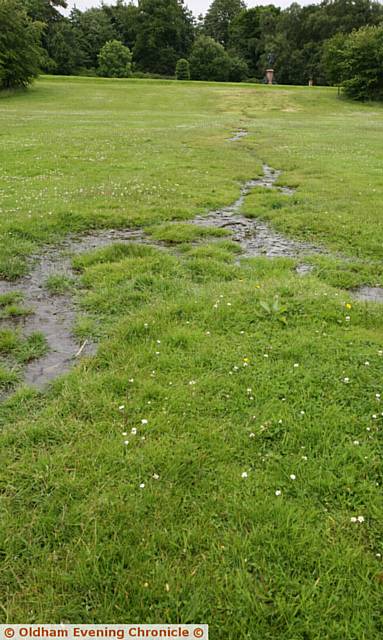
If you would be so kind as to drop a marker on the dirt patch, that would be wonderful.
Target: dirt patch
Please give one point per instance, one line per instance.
(368, 294)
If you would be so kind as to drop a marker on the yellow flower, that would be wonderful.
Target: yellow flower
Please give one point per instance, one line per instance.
(348, 305)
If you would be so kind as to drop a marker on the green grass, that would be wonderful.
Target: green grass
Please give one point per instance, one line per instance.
(58, 284)
(15, 352)
(7, 378)
(10, 307)
(14, 311)
(9, 298)
(348, 274)
(260, 388)
(21, 349)
(178, 233)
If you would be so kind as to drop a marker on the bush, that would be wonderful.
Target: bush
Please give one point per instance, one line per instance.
(356, 62)
(115, 60)
(146, 75)
(210, 61)
(182, 69)
(19, 46)
(364, 64)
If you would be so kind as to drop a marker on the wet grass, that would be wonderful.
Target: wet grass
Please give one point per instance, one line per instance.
(10, 306)
(15, 352)
(178, 233)
(7, 299)
(7, 378)
(13, 311)
(347, 274)
(249, 397)
(58, 284)
(21, 349)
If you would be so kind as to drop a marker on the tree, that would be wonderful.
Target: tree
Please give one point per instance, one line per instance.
(115, 60)
(58, 52)
(19, 45)
(219, 17)
(346, 15)
(164, 34)
(209, 61)
(249, 33)
(65, 54)
(44, 10)
(93, 29)
(333, 58)
(358, 63)
(238, 69)
(182, 69)
(297, 35)
(123, 18)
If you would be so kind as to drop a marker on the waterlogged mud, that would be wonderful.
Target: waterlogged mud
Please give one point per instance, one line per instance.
(368, 294)
(304, 269)
(256, 237)
(54, 315)
(241, 133)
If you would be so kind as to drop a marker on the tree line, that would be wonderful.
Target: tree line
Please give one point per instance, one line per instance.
(334, 42)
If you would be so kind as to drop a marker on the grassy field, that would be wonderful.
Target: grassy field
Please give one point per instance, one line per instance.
(249, 396)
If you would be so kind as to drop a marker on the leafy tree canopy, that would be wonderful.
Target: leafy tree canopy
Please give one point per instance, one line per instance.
(210, 61)
(219, 17)
(19, 45)
(115, 60)
(300, 40)
(44, 10)
(356, 61)
(164, 34)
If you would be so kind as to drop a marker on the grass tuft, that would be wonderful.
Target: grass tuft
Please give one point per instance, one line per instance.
(183, 232)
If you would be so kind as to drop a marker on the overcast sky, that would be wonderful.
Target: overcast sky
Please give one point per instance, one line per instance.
(197, 6)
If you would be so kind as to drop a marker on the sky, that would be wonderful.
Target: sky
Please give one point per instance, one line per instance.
(196, 6)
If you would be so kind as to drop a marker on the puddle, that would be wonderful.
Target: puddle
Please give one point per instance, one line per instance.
(256, 237)
(304, 269)
(241, 133)
(54, 315)
(368, 294)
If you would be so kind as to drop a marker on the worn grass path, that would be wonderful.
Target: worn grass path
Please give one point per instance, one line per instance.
(249, 493)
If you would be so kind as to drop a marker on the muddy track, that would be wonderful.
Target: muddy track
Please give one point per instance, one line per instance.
(256, 237)
(54, 315)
